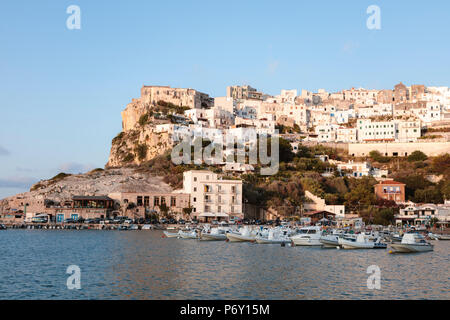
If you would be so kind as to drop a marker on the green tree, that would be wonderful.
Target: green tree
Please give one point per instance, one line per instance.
(361, 193)
(417, 156)
(378, 157)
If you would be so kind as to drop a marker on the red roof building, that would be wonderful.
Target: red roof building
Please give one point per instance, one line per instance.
(390, 190)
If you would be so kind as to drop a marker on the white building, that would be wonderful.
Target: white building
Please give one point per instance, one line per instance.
(401, 131)
(318, 204)
(212, 197)
(361, 169)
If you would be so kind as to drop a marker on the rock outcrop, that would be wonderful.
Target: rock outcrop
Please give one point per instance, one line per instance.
(95, 183)
(139, 142)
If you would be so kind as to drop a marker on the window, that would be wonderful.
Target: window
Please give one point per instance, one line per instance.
(156, 202)
(139, 201)
(195, 179)
(173, 201)
(146, 201)
(163, 200)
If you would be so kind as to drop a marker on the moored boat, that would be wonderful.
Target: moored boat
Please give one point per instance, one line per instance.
(215, 234)
(244, 235)
(273, 238)
(171, 234)
(361, 242)
(188, 234)
(307, 236)
(412, 242)
(329, 241)
(437, 236)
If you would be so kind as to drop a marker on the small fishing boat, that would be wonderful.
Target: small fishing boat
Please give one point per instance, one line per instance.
(361, 242)
(273, 237)
(215, 234)
(436, 236)
(412, 242)
(307, 236)
(245, 235)
(2, 227)
(133, 227)
(171, 234)
(329, 241)
(146, 227)
(188, 234)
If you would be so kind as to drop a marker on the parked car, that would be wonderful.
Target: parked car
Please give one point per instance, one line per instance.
(140, 221)
(69, 220)
(172, 221)
(163, 221)
(215, 222)
(181, 221)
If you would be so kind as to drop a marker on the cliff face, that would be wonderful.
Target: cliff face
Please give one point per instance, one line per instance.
(136, 146)
(138, 142)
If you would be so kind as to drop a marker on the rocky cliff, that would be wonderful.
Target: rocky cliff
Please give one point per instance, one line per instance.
(139, 142)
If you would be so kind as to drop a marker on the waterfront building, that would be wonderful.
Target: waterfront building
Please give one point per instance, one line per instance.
(141, 204)
(211, 196)
(416, 214)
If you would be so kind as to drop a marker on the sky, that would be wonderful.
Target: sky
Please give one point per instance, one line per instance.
(62, 90)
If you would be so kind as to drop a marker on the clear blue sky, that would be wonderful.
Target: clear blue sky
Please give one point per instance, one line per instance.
(62, 90)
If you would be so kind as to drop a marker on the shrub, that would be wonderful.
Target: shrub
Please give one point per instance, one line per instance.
(378, 157)
(417, 156)
(141, 151)
(129, 157)
(143, 120)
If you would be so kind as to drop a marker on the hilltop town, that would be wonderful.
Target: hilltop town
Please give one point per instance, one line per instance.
(378, 155)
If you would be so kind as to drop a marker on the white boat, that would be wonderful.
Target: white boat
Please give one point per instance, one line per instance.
(245, 235)
(188, 234)
(436, 236)
(307, 236)
(361, 242)
(133, 227)
(412, 242)
(329, 241)
(215, 234)
(171, 234)
(146, 227)
(273, 237)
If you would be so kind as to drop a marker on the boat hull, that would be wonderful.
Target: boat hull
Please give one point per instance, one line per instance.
(411, 248)
(306, 242)
(187, 236)
(271, 241)
(329, 243)
(232, 237)
(170, 235)
(213, 237)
